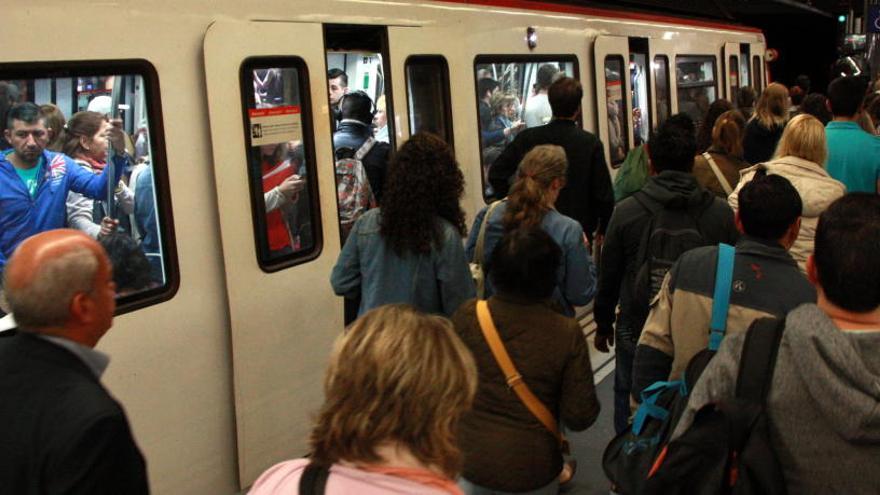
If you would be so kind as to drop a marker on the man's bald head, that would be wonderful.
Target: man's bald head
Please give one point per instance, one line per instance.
(45, 274)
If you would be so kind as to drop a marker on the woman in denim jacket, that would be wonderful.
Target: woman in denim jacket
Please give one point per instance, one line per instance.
(409, 250)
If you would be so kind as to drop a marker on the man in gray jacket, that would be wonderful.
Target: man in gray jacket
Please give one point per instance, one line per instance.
(823, 402)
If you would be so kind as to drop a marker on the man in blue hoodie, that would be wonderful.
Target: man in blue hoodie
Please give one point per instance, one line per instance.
(34, 182)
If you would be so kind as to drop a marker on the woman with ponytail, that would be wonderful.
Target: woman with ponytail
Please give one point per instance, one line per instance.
(87, 138)
(725, 154)
(540, 177)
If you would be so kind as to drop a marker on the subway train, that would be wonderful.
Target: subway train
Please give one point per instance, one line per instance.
(219, 361)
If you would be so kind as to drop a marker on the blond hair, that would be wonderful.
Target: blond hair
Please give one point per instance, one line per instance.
(527, 199)
(772, 108)
(804, 137)
(397, 375)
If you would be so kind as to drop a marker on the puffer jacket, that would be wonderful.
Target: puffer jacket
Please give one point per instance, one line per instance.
(816, 187)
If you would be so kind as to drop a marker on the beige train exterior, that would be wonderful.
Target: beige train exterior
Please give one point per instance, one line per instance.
(219, 382)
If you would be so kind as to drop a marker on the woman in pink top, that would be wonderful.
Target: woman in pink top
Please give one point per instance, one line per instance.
(397, 384)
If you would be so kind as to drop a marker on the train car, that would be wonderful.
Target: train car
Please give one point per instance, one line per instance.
(219, 361)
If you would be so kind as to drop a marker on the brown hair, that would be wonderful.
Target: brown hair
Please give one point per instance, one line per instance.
(527, 200)
(772, 108)
(499, 100)
(82, 124)
(804, 137)
(397, 375)
(728, 132)
(54, 119)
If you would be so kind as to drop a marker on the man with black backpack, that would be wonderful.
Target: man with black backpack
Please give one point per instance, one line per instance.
(816, 417)
(646, 234)
(766, 282)
(354, 139)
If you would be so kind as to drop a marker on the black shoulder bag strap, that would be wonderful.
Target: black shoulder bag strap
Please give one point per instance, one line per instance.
(314, 479)
(758, 359)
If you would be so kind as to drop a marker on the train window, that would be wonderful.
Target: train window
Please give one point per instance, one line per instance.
(280, 162)
(638, 66)
(80, 103)
(511, 96)
(745, 50)
(618, 132)
(661, 86)
(756, 63)
(428, 102)
(695, 78)
(733, 78)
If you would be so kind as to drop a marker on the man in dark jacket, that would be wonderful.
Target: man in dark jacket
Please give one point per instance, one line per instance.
(353, 130)
(671, 187)
(766, 282)
(60, 431)
(587, 196)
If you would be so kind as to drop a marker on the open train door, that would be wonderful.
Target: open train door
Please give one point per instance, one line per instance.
(266, 85)
(731, 71)
(613, 105)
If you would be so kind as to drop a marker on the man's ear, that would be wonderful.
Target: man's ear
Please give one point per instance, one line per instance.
(7, 133)
(812, 271)
(81, 308)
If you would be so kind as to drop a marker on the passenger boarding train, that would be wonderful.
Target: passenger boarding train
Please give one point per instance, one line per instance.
(220, 363)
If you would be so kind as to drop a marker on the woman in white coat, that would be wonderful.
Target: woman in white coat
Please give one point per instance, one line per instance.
(800, 158)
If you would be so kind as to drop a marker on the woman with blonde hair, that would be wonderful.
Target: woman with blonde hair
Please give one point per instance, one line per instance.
(718, 168)
(765, 127)
(540, 177)
(397, 384)
(800, 158)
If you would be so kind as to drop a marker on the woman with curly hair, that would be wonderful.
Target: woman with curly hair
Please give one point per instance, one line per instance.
(540, 177)
(409, 250)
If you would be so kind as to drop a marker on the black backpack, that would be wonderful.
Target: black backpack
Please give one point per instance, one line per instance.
(670, 233)
(727, 449)
(628, 458)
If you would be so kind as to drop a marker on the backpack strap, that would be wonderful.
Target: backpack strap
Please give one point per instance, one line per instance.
(478, 252)
(758, 359)
(512, 376)
(364, 149)
(721, 297)
(314, 479)
(718, 175)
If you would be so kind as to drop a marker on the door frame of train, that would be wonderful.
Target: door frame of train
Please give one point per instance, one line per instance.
(405, 42)
(272, 421)
(603, 47)
(665, 48)
(758, 50)
(731, 49)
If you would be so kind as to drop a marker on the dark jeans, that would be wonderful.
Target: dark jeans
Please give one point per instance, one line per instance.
(624, 354)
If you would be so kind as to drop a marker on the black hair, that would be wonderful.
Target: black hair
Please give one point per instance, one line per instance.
(847, 252)
(524, 263)
(673, 146)
(768, 205)
(746, 97)
(704, 136)
(357, 105)
(131, 269)
(565, 96)
(815, 104)
(803, 81)
(486, 84)
(336, 72)
(845, 95)
(27, 112)
(545, 75)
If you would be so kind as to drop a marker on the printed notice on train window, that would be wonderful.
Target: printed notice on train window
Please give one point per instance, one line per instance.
(275, 125)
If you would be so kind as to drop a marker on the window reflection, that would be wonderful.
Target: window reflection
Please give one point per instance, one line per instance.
(661, 85)
(695, 79)
(618, 132)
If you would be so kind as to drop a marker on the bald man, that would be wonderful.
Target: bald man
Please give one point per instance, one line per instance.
(60, 430)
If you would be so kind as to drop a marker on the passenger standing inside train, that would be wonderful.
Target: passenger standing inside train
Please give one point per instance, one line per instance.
(765, 127)
(506, 448)
(337, 85)
(34, 182)
(55, 122)
(587, 195)
(853, 154)
(800, 158)
(409, 250)
(704, 134)
(396, 387)
(60, 429)
(540, 177)
(538, 110)
(354, 130)
(822, 405)
(726, 154)
(671, 190)
(766, 277)
(86, 139)
(486, 87)
(281, 187)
